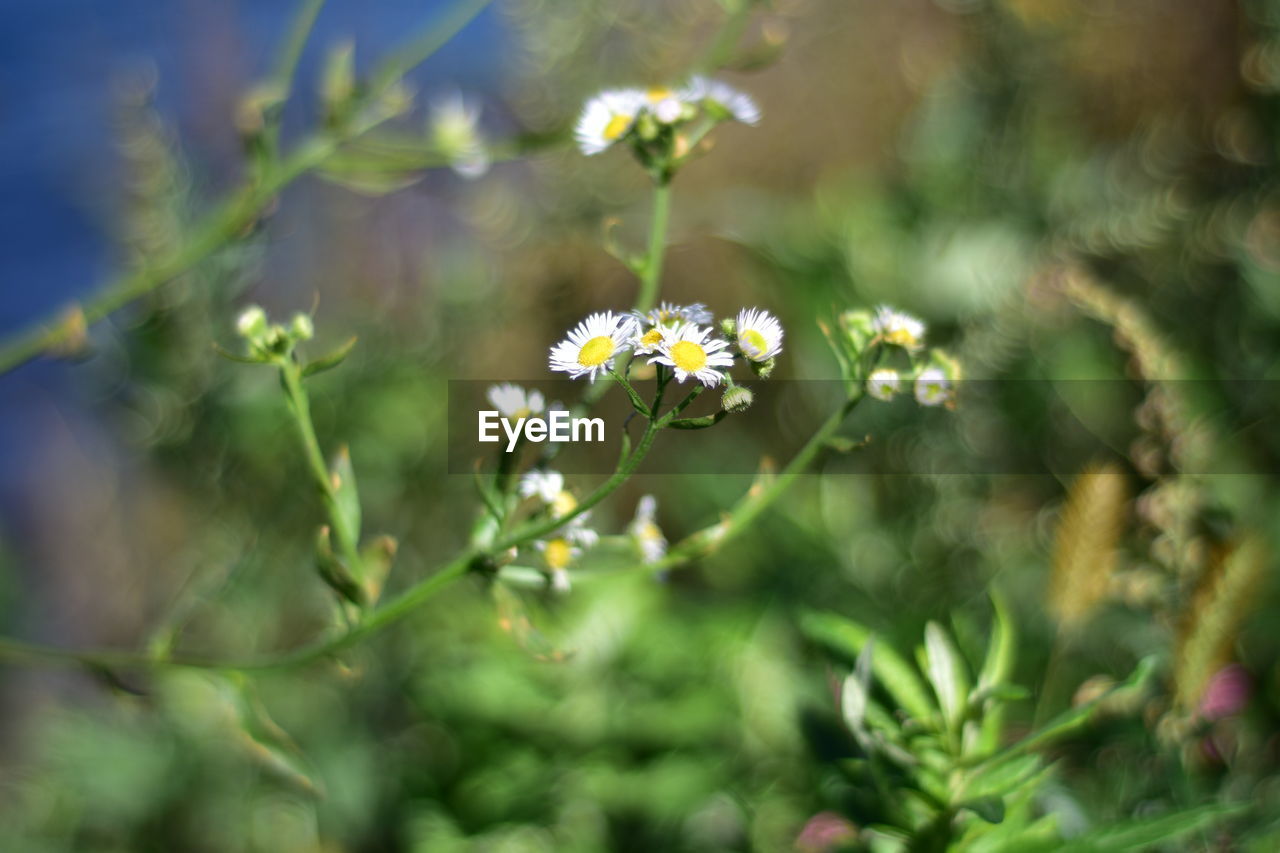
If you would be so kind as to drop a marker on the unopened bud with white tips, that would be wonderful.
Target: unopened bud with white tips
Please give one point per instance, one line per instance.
(252, 323)
(737, 399)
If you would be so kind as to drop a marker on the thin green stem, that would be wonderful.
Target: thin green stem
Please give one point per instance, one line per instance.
(234, 216)
(739, 518)
(624, 471)
(727, 38)
(651, 277)
(287, 65)
(401, 62)
(636, 403)
(704, 542)
(291, 50)
(300, 407)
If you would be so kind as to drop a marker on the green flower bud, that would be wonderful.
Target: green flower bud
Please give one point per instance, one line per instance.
(763, 369)
(729, 327)
(252, 323)
(858, 328)
(737, 399)
(302, 328)
(646, 127)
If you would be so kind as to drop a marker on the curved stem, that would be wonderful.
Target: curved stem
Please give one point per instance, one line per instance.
(709, 539)
(300, 407)
(698, 544)
(234, 216)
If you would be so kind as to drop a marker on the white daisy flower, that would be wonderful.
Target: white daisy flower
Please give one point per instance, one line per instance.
(606, 118)
(688, 352)
(664, 104)
(512, 401)
(933, 388)
(759, 334)
(884, 383)
(645, 532)
(591, 346)
(560, 552)
(738, 105)
(653, 326)
(898, 328)
(670, 314)
(546, 485)
(455, 131)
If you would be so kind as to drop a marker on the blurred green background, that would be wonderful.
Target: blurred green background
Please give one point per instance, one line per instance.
(961, 159)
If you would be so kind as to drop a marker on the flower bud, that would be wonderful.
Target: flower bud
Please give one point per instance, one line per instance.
(884, 383)
(646, 127)
(763, 369)
(302, 328)
(729, 327)
(252, 323)
(858, 328)
(737, 399)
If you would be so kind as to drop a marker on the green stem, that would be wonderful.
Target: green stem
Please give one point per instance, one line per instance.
(300, 408)
(234, 216)
(287, 65)
(703, 542)
(738, 519)
(625, 470)
(651, 276)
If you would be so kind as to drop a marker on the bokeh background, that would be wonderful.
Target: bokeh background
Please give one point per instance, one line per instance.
(971, 161)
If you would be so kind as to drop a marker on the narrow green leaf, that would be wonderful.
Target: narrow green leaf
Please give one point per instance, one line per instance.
(847, 637)
(698, 423)
(990, 809)
(1142, 834)
(1002, 650)
(857, 690)
(332, 570)
(343, 479)
(947, 672)
(332, 360)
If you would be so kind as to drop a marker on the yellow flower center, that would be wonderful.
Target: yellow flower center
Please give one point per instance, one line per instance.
(617, 126)
(901, 338)
(753, 343)
(659, 93)
(557, 554)
(688, 356)
(596, 351)
(563, 504)
(651, 338)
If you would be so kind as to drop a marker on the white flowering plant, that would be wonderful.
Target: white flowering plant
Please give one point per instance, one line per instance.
(409, 673)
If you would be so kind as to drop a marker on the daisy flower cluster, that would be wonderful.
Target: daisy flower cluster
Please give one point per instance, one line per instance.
(563, 548)
(661, 123)
(681, 338)
(870, 336)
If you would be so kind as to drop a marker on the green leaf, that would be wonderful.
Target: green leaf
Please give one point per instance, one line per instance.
(897, 676)
(333, 571)
(241, 359)
(1141, 834)
(330, 361)
(376, 559)
(1075, 718)
(990, 809)
(857, 690)
(342, 477)
(947, 672)
(1002, 650)
(698, 423)
(1002, 777)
